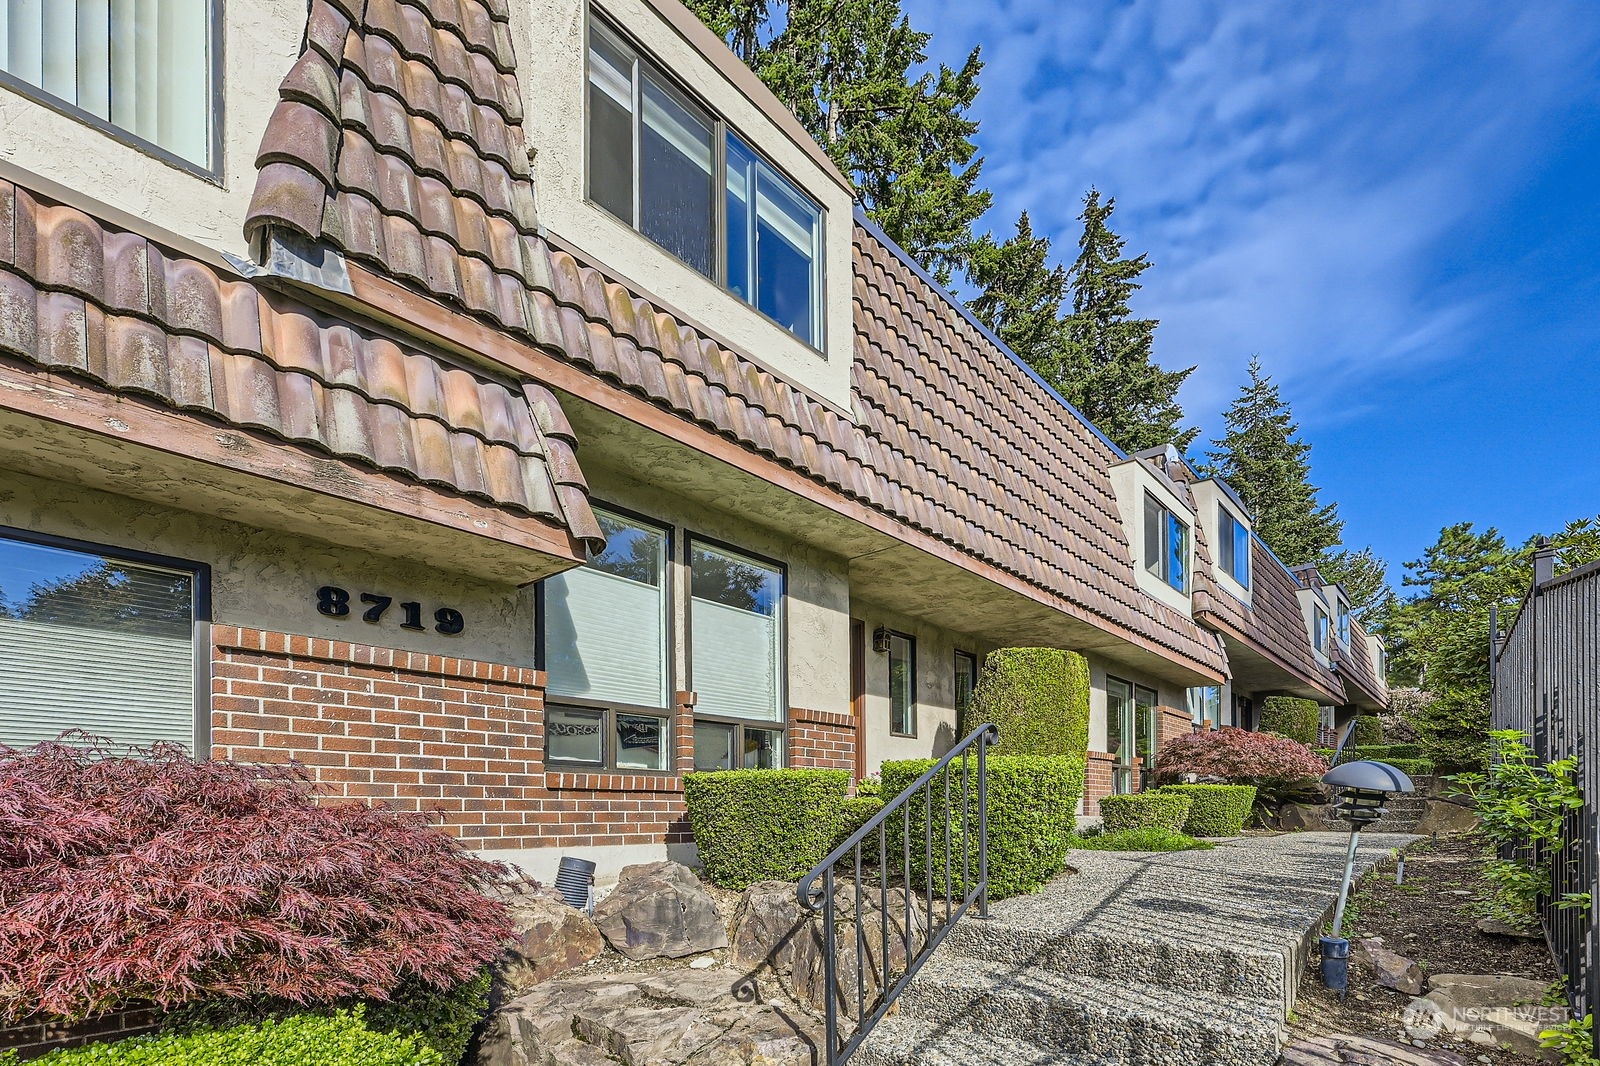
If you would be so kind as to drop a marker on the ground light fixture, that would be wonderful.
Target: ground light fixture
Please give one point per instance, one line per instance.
(1360, 791)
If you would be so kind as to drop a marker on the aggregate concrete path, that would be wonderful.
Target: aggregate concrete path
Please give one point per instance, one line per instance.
(1146, 959)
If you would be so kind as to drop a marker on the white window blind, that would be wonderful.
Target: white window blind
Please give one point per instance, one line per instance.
(735, 661)
(94, 644)
(605, 638)
(144, 66)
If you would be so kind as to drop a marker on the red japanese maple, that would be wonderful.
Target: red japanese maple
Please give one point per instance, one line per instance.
(162, 878)
(1238, 755)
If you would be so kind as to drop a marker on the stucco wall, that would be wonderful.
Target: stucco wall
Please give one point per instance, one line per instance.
(935, 688)
(554, 90)
(268, 580)
(117, 180)
(1099, 733)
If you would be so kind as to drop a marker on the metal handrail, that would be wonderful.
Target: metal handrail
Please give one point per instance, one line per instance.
(970, 753)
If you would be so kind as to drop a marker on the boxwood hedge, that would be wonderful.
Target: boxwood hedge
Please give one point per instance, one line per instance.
(1215, 810)
(1039, 697)
(764, 825)
(1295, 718)
(1145, 810)
(1368, 730)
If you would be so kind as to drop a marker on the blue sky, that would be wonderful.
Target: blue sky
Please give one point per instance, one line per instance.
(1396, 205)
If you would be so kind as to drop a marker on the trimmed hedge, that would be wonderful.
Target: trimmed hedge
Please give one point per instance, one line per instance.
(1145, 810)
(340, 1039)
(1295, 718)
(1039, 697)
(1388, 752)
(855, 813)
(764, 825)
(1367, 731)
(1412, 767)
(1216, 810)
(1033, 804)
(1146, 839)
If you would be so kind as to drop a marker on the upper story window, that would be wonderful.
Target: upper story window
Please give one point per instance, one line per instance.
(1233, 546)
(1319, 628)
(1166, 544)
(1344, 623)
(671, 169)
(144, 69)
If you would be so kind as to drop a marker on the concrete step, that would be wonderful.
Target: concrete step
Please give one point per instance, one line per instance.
(903, 1041)
(1129, 1022)
(1127, 956)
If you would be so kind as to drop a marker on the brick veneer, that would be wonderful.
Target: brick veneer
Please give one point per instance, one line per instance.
(822, 739)
(1097, 782)
(32, 1038)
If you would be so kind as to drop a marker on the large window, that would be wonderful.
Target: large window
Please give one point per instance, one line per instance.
(1319, 628)
(1133, 731)
(144, 68)
(966, 679)
(902, 685)
(1166, 544)
(736, 658)
(668, 167)
(1233, 546)
(1205, 706)
(96, 642)
(1344, 623)
(606, 651)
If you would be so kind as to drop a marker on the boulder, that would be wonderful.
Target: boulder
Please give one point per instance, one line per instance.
(1362, 1051)
(1392, 969)
(766, 928)
(551, 938)
(1299, 817)
(905, 932)
(1483, 1009)
(1495, 927)
(1445, 818)
(660, 910)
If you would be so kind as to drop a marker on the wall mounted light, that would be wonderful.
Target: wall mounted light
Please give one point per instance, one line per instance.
(880, 640)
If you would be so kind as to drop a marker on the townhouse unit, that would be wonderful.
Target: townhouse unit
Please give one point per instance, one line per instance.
(499, 407)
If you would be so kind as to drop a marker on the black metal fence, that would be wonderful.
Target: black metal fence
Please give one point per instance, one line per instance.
(1546, 675)
(892, 892)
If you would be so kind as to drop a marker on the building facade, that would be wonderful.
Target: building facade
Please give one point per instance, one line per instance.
(498, 407)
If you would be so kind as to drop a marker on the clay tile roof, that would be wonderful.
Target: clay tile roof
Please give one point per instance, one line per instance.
(81, 298)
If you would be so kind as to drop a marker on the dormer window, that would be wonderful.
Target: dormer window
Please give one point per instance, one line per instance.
(1166, 544)
(1319, 628)
(674, 171)
(1233, 546)
(1344, 623)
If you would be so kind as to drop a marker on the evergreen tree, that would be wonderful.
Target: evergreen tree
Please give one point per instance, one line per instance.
(1020, 295)
(852, 73)
(1106, 368)
(1363, 576)
(1262, 456)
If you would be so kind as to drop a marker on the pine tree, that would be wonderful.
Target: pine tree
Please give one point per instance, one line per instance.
(1106, 368)
(1020, 295)
(1363, 575)
(848, 69)
(1262, 456)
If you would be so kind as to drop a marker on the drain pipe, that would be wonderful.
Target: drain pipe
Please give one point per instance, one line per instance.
(1363, 787)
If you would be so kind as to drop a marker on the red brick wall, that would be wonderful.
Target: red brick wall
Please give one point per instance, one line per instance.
(1174, 723)
(30, 1039)
(822, 739)
(1097, 782)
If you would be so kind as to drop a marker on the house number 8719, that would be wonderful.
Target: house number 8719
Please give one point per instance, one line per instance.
(334, 602)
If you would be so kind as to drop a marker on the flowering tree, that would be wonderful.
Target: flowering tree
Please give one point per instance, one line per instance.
(166, 879)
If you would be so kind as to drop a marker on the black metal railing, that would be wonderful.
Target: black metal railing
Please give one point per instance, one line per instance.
(1545, 671)
(880, 953)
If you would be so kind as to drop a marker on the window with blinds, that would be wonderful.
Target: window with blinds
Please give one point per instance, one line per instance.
(96, 643)
(735, 634)
(143, 67)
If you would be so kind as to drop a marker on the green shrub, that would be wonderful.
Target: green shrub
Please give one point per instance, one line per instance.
(763, 825)
(1142, 810)
(1367, 731)
(1412, 767)
(1149, 838)
(1295, 718)
(1216, 810)
(339, 1039)
(1039, 697)
(1033, 803)
(1385, 752)
(871, 785)
(855, 813)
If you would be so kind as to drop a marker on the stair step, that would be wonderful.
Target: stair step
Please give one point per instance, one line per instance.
(1123, 1021)
(902, 1041)
(1170, 964)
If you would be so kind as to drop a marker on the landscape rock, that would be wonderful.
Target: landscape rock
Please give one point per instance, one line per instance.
(1446, 818)
(766, 928)
(1494, 927)
(1394, 970)
(809, 983)
(551, 939)
(1362, 1051)
(1499, 1007)
(1299, 817)
(660, 910)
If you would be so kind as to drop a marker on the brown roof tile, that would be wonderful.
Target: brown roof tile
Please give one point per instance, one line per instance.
(79, 297)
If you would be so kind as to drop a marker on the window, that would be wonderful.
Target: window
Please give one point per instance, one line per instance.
(606, 651)
(1319, 628)
(144, 68)
(736, 658)
(97, 641)
(966, 680)
(1344, 623)
(1133, 723)
(1166, 544)
(1233, 546)
(1205, 706)
(902, 685)
(657, 161)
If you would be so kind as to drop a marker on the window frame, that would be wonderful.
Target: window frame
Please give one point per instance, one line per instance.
(970, 659)
(200, 624)
(911, 643)
(669, 663)
(1228, 548)
(1342, 621)
(214, 171)
(721, 130)
(779, 724)
(1320, 628)
(1161, 566)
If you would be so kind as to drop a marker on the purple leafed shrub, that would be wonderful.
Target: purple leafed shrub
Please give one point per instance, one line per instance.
(1239, 756)
(166, 879)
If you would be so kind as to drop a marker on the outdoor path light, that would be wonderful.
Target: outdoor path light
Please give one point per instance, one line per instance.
(1362, 787)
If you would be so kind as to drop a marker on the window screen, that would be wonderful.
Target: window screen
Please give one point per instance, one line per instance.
(94, 643)
(143, 66)
(735, 617)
